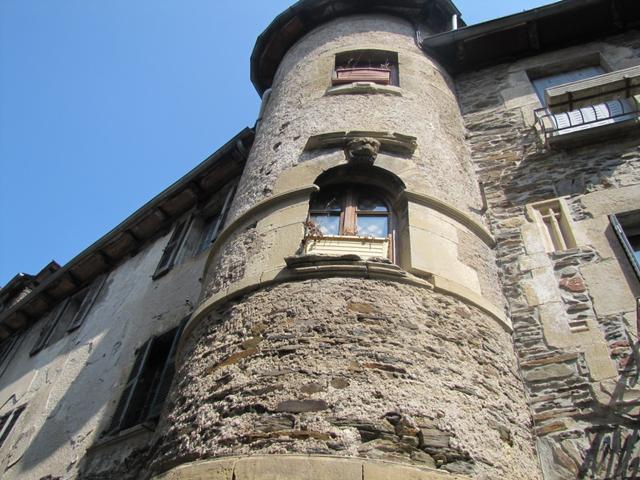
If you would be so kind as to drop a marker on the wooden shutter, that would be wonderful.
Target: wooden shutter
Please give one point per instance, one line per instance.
(6, 348)
(48, 328)
(87, 303)
(8, 422)
(166, 376)
(122, 411)
(214, 229)
(171, 250)
(626, 246)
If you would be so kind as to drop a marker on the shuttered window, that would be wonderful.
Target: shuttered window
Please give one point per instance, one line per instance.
(68, 315)
(214, 223)
(7, 350)
(172, 248)
(586, 117)
(149, 381)
(7, 422)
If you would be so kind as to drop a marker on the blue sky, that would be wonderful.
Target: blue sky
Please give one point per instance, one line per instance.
(103, 104)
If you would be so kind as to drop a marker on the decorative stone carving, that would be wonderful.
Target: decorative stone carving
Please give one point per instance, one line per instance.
(390, 142)
(362, 150)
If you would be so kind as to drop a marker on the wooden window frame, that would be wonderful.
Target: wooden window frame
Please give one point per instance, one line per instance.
(8, 422)
(348, 196)
(173, 246)
(214, 222)
(620, 229)
(62, 321)
(140, 385)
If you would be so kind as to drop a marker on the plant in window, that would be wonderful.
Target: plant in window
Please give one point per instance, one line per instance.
(349, 220)
(366, 66)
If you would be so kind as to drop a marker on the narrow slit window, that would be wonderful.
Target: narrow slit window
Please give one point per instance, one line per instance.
(555, 223)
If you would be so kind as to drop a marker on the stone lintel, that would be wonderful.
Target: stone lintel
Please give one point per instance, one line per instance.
(391, 142)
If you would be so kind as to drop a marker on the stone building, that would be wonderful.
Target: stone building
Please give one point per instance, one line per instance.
(422, 263)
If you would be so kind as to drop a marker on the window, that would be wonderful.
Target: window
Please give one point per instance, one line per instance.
(195, 232)
(170, 252)
(149, 381)
(68, 315)
(350, 220)
(352, 211)
(599, 114)
(7, 422)
(7, 348)
(554, 219)
(213, 223)
(627, 228)
(376, 66)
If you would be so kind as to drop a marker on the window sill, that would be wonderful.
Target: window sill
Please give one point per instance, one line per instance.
(357, 88)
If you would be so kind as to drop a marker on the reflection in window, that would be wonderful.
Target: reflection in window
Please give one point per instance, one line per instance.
(350, 211)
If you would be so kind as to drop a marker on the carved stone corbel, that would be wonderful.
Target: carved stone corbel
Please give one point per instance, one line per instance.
(362, 150)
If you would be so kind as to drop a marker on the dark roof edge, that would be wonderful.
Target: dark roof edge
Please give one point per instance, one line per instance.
(532, 32)
(130, 221)
(503, 23)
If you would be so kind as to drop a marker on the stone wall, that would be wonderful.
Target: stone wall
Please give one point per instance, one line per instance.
(351, 367)
(299, 107)
(573, 311)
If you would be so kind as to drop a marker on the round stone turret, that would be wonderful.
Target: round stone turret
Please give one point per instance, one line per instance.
(351, 323)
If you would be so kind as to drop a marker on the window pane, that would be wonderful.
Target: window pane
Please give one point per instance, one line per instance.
(328, 224)
(635, 245)
(372, 226)
(327, 202)
(371, 204)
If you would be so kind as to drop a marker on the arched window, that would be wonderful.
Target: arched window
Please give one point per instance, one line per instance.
(350, 211)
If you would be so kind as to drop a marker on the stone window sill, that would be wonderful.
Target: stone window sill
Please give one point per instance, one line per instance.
(357, 88)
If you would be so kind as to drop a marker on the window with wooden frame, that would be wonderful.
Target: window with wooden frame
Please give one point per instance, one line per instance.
(172, 248)
(212, 223)
(8, 422)
(356, 212)
(627, 228)
(376, 66)
(149, 382)
(555, 221)
(8, 347)
(69, 315)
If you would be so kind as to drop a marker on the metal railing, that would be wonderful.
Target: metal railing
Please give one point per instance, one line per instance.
(610, 112)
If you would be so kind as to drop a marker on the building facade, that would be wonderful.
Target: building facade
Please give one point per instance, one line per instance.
(421, 263)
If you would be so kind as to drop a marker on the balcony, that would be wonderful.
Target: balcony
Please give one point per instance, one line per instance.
(590, 109)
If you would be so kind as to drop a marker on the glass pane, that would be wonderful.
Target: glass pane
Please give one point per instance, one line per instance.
(371, 204)
(327, 202)
(370, 226)
(635, 246)
(328, 224)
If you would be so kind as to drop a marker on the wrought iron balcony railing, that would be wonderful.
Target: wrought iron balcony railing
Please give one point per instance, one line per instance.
(552, 125)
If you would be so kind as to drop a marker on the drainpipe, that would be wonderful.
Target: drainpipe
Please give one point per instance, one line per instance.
(454, 22)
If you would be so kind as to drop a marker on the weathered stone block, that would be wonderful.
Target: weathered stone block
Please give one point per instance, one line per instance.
(277, 467)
